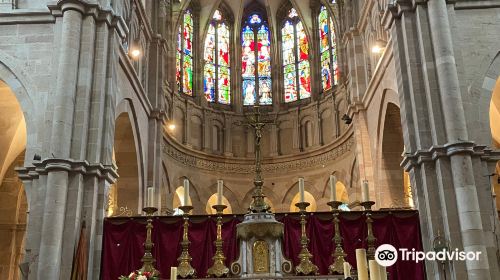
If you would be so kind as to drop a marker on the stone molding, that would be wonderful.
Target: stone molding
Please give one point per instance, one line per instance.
(28, 173)
(318, 157)
(89, 9)
(438, 151)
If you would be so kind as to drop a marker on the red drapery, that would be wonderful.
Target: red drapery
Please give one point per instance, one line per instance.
(123, 241)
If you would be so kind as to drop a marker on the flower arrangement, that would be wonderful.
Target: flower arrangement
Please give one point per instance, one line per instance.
(139, 275)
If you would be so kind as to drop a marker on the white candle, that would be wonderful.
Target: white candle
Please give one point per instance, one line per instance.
(186, 192)
(374, 270)
(301, 189)
(361, 264)
(173, 273)
(383, 273)
(365, 195)
(220, 190)
(150, 197)
(333, 188)
(347, 269)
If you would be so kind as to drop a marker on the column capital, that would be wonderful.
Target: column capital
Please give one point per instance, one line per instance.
(28, 173)
(435, 152)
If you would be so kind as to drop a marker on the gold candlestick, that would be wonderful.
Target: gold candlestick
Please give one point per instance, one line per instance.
(337, 267)
(218, 269)
(185, 270)
(305, 267)
(148, 260)
(370, 239)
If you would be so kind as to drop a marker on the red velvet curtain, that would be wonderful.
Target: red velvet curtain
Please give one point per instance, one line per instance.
(123, 241)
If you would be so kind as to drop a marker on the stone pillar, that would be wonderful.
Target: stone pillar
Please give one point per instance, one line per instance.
(49, 265)
(446, 170)
(273, 129)
(228, 143)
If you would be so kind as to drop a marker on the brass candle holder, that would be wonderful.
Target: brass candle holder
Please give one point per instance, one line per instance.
(148, 260)
(370, 239)
(337, 267)
(305, 267)
(218, 269)
(185, 270)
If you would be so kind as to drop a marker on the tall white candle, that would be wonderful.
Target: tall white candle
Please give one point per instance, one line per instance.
(150, 197)
(374, 270)
(333, 188)
(301, 189)
(383, 272)
(173, 273)
(186, 192)
(361, 264)
(365, 194)
(220, 190)
(347, 269)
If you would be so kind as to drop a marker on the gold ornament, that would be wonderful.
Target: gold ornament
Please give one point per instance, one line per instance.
(185, 270)
(219, 268)
(148, 260)
(337, 267)
(370, 239)
(305, 267)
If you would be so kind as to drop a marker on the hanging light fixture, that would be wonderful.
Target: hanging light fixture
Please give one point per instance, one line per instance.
(379, 46)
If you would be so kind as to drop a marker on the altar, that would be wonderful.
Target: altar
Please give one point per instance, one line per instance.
(124, 238)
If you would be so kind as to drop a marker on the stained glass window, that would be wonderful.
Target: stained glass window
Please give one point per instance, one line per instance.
(295, 51)
(328, 50)
(184, 55)
(256, 61)
(217, 73)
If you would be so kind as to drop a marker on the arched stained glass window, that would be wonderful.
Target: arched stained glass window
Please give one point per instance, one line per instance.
(295, 51)
(184, 54)
(256, 61)
(216, 74)
(328, 50)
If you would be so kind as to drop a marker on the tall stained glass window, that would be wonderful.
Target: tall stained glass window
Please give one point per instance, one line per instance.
(216, 74)
(184, 55)
(256, 61)
(328, 50)
(295, 50)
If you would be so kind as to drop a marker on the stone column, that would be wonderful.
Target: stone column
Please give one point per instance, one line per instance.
(446, 170)
(228, 143)
(273, 129)
(49, 265)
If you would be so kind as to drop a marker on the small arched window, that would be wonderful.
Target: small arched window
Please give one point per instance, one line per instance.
(184, 54)
(295, 51)
(328, 50)
(216, 73)
(256, 61)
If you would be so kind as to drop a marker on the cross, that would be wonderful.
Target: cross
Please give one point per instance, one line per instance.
(258, 204)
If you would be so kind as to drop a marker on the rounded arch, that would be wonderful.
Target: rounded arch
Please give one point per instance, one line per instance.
(22, 89)
(494, 114)
(341, 189)
(308, 197)
(212, 200)
(127, 189)
(390, 179)
(14, 206)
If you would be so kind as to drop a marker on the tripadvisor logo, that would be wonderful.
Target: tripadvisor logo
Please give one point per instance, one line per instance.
(387, 255)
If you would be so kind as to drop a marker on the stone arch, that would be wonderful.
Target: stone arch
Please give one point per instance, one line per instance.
(195, 194)
(341, 110)
(22, 87)
(217, 137)
(127, 190)
(494, 115)
(212, 200)
(328, 132)
(307, 132)
(232, 198)
(342, 193)
(180, 124)
(390, 179)
(285, 133)
(196, 132)
(293, 190)
(13, 198)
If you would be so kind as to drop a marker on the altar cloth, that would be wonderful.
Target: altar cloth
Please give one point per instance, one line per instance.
(123, 240)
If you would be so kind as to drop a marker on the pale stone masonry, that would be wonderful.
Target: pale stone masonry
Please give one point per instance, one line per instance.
(100, 121)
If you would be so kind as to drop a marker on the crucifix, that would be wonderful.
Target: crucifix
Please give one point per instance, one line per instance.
(258, 204)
